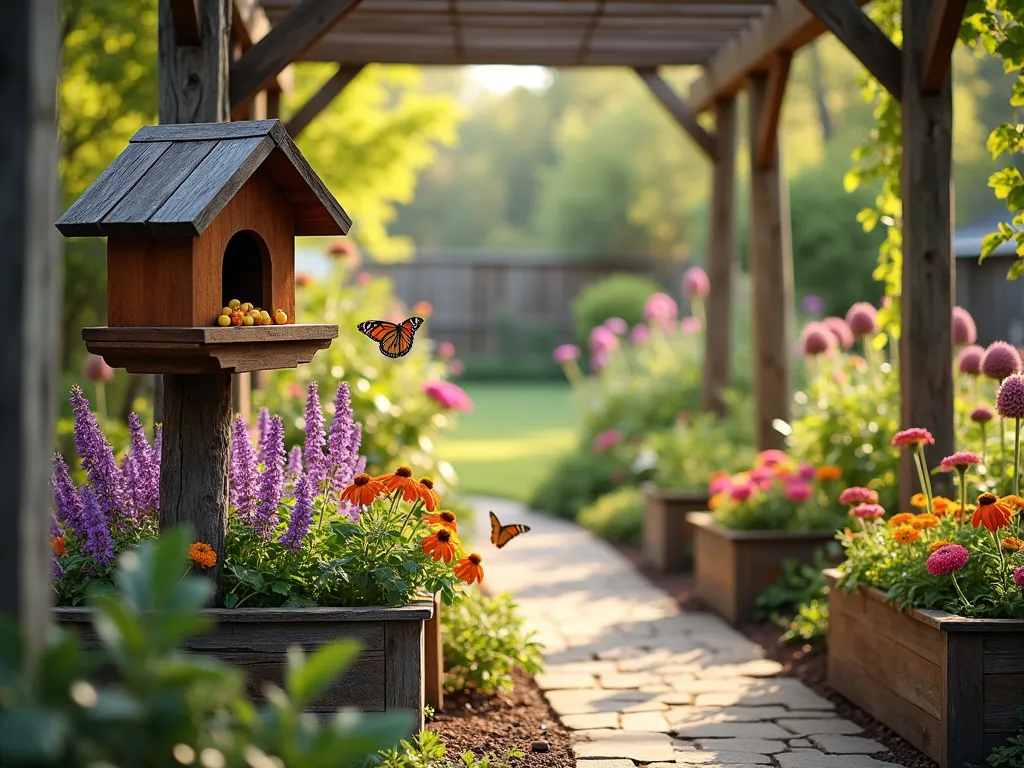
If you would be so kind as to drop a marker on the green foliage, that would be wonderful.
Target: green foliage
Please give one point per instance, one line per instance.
(1011, 754)
(168, 706)
(810, 625)
(617, 516)
(484, 641)
(580, 477)
(427, 751)
(619, 295)
(798, 601)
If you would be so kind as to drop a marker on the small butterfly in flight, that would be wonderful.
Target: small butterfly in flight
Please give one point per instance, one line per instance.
(503, 534)
(395, 339)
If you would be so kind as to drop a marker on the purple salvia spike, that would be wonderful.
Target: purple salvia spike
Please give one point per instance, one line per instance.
(302, 516)
(136, 467)
(97, 530)
(56, 569)
(341, 459)
(55, 529)
(97, 455)
(263, 425)
(294, 469)
(360, 465)
(244, 480)
(313, 456)
(66, 499)
(271, 481)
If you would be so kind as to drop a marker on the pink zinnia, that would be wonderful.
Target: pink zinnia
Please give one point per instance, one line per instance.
(616, 325)
(566, 353)
(798, 491)
(817, 339)
(969, 360)
(660, 308)
(448, 395)
(1000, 360)
(913, 436)
(982, 414)
(858, 495)
(446, 350)
(690, 325)
(1018, 576)
(762, 476)
(841, 330)
(607, 440)
(959, 459)
(771, 457)
(602, 340)
(640, 334)
(964, 329)
(1010, 397)
(718, 485)
(806, 471)
(742, 492)
(696, 283)
(862, 319)
(868, 511)
(947, 559)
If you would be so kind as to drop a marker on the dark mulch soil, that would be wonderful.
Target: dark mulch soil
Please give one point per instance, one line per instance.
(801, 662)
(497, 722)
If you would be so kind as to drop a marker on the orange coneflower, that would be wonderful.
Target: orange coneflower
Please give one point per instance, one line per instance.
(427, 493)
(59, 546)
(923, 521)
(202, 554)
(992, 512)
(401, 480)
(919, 500)
(440, 545)
(444, 518)
(468, 569)
(829, 472)
(903, 518)
(364, 490)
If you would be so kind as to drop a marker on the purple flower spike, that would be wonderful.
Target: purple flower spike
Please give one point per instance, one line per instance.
(302, 516)
(137, 470)
(272, 480)
(244, 483)
(56, 569)
(263, 426)
(294, 468)
(97, 455)
(313, 457)
(97, 529)
(344, 441)
(66, 499)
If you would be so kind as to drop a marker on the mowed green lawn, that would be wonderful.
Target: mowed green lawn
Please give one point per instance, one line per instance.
(505, 445)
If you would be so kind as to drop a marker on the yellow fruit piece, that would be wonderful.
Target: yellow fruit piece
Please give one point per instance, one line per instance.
(225, 311)
(255, 314)
(224, 320)
(280, 317)
(247, 320)
(267, 320)
(246, 307)
(264, 314)
(234, 304)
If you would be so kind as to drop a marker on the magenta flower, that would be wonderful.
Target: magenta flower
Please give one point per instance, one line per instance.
(762, 476)
(806, 471)
(947, 559)
(817, 339)
(96, 369)
(719, 485)
(913, 436)
(640, 334)
(455, 368)
(742, 492)
(969, 359)
(448, 395)
(696, 283)
(1000, 360)
(566, 353)
(690, 325)
(1018, 576)
(841, 330)
(660, 309)
(868, 511)
(982, 414)
(959, 459)
(607, 440)
(862, 319)
(1010, 397)
(616, 325)
(446, 350)
(772, 457)
(964, 330)
(602, 340)
(858, 495)
(798, 491)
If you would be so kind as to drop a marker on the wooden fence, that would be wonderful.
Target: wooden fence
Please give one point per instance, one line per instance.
(479, 299)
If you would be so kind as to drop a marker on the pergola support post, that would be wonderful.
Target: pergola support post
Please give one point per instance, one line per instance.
(926, 345)
(771, 268)
(720, 258)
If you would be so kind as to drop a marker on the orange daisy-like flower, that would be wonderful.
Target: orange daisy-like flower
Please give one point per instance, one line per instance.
(919, 500)
(468, 569)
(59, 546)
(401, 480)
(906, 534)
(364, 490)
(903, 518)
(829, 472)
(715, 500)
(1013, 544)
(427, 493)
(924, 521)
(935, 545)
(850, 534)
(202, 554)
(992, 512)
(941, 505)
(444, 518)
(441, 545)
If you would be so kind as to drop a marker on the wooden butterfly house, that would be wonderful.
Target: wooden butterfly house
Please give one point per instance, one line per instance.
(197, 215)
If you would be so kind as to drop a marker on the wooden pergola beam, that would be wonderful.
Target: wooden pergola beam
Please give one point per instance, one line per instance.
(943, 27)
(683, 115)
(284, 43)
(319, 101)
(863, 39)
(768, 122)
(185, 15)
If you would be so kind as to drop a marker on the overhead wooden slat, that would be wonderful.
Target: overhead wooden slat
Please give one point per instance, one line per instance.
(943, 27)
(680, 111)
(550, 56)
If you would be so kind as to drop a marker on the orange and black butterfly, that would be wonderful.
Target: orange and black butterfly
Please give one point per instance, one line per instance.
(395, 339)
(503, 534)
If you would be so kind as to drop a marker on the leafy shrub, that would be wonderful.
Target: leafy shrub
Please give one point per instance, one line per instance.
(1011, 754)
(484, 641)
(619, 295)
(579, 478)
(169, 702)
(427, 751)
(810, 625)
(798, 601)
(617, 516)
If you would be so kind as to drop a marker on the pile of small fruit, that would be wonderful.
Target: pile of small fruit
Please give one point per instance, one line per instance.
(237, 313)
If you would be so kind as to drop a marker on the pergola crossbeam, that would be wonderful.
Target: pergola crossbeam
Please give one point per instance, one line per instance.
(320, 100)
(680, 111)
(768, 121)
(943, 26)
(863, 39)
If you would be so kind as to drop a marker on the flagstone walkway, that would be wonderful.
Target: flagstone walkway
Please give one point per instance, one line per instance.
(642, 683)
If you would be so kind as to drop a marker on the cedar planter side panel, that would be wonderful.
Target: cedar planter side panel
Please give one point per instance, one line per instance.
(668, 536)
(948, 685)
(387, 675)
(733, 567)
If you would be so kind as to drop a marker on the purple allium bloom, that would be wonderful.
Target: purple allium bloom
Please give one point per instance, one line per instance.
(97, 529)
(96, 369)
(862, 319)
(616, 325)
(964, 330)
(982, 414)
(602, 340)
(1010, 397)
(301, 518)
(817, 339)
(696, 283)
(640, 334)
(565, 353)
(841, 330)
(97, 455)
(293, 471)
(263, 428)
(271, 480)
(1000, 360)
(313, 457)
(812, 305)
(959, 459)
(969, 359)
(660, 309)
(947, 559)
(66, 498)
(690, 325)
(598, 361)
(244, 485)
(1018, 576)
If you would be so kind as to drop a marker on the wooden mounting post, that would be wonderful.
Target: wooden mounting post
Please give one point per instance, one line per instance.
(943, 27)
(926, 346)
(771, 267)
(196, 408)
(720, 258)
(29, 39)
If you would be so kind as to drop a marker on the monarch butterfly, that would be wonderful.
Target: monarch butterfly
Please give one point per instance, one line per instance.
(503, 534)
(395, 339)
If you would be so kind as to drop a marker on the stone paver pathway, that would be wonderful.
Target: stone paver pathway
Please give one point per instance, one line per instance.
(641, 683)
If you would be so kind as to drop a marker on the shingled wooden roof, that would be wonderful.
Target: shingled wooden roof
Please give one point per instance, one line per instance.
(175, 179)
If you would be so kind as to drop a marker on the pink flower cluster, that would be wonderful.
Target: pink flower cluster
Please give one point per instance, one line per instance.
(448, 395)
(913, 436)
(858, 495)
(660, 309)
(947, 559)
(607, 440)
(959, 459)
(772, 467)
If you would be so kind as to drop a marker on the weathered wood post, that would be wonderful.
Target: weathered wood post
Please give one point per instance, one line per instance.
(30, 292)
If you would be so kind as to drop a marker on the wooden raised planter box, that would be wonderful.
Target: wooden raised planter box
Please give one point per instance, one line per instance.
(387, 675)
(733, 567)
(668, 536)
(950, 686)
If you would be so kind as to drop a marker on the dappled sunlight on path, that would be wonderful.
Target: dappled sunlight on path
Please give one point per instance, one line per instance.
(639, 681)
